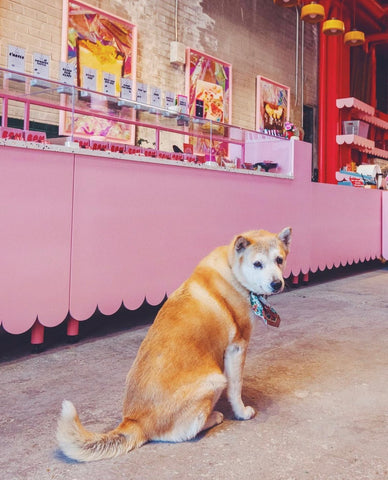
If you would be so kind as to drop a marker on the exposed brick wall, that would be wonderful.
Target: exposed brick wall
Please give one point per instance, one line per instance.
(255, 36)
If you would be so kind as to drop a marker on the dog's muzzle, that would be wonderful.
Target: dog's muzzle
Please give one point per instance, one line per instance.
(276, 286)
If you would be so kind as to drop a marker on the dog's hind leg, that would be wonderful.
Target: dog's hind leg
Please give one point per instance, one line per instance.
(196, 412)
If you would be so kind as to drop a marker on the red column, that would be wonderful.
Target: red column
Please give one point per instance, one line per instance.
(322, 72)
(334, 83)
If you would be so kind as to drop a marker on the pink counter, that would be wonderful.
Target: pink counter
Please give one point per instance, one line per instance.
(81, 232)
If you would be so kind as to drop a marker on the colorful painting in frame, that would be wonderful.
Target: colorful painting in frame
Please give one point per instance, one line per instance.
(95, 39)
(209, 91)
(272, 104)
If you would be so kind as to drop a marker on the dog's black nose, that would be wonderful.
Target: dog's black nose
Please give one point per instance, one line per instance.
(276, 285)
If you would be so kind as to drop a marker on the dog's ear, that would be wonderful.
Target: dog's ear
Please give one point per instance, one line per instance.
(285, 236)
(241, 243)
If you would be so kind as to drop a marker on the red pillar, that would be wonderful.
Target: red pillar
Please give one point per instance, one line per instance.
(334, 82)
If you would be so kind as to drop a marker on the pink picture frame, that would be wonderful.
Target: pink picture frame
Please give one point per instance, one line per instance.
(209, 81)
(100, 34)
(272, 104)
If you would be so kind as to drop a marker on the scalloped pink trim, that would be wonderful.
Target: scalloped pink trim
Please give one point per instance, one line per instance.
(355, 140)
(351, 102)
(378, 122)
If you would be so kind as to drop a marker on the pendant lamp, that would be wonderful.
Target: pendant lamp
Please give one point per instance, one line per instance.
(354, 38)
(333, 27)
(286, 3)
(312, 13)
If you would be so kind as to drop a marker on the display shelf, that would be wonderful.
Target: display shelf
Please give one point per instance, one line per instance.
(352, 102)
(379, 152)
(376, 121)
(366, 113)
(356, 141)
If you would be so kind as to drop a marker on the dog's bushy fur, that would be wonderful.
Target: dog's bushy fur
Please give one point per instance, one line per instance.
(194, 350)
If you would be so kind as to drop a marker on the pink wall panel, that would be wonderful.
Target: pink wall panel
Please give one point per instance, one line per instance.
(35, 219)
(345, 225)
(139, 229)
(385, 225)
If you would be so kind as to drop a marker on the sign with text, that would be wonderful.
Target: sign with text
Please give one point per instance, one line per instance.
(169, 99)
(41, 65)
(67, 73)
(109, 83)
(89, 76)
(156, 97)
(142, 93)
(127, 88)
(16, 59)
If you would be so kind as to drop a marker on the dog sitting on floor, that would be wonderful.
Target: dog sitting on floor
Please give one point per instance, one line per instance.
(194, 350)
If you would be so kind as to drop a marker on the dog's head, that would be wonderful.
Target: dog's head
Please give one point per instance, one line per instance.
(257, 259)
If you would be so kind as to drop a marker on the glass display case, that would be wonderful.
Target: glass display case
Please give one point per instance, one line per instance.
(85, 119)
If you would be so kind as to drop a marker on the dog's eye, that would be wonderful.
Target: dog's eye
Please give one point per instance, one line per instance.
(258, 265)
(279, 260)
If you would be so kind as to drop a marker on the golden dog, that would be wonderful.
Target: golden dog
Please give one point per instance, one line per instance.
(194, 350)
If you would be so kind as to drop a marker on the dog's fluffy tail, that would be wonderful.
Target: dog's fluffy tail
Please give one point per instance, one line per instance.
(79, 444)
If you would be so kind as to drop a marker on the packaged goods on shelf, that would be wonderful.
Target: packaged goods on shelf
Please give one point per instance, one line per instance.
(356, 127)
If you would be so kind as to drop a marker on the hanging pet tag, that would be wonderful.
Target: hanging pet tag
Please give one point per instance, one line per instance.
(263, 310)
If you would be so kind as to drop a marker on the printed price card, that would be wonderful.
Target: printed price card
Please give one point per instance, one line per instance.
(41, 65)
(109, 83)
(89, 78)
(156, 97)
(182, 103)
(67, 73)
(142, 93)
(169, 99)
(126, 88)
(16, 59)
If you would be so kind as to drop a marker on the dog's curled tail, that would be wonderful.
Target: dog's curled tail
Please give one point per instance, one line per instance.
(79, 444)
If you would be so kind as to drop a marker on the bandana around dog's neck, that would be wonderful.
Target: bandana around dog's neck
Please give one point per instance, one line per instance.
(263, 310)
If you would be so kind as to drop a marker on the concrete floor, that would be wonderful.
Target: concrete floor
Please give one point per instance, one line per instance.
(319, 383)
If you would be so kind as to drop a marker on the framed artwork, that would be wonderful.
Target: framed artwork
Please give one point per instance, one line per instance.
(272, 104)
(209, 92)
(94, 40)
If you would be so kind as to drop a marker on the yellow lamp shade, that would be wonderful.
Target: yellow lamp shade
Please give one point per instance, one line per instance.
(354, 38)
(312, 13)
(286, 3)
(333, 27)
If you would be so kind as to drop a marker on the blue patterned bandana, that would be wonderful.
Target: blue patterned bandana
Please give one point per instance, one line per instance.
(263, 310)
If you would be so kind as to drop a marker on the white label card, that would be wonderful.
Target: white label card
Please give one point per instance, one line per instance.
(41, 64)
(169, 99)
(109, 83)
(156, 97)
(67, 73)
(89, 78)
(142, 93)
(182, 103)
(126, 88)
(16, 59)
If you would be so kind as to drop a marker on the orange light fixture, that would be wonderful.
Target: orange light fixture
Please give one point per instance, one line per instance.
(312, 13)
(286, 3)
(333, 27)
(354, 38)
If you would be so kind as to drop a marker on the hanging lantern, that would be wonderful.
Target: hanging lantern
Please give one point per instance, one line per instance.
(333, 27)
(312, 13)
(286, 3)
(354, 38)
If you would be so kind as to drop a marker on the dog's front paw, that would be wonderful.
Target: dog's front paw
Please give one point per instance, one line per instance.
(246, 413)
